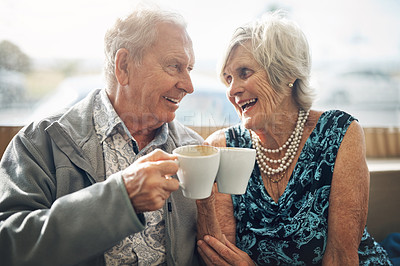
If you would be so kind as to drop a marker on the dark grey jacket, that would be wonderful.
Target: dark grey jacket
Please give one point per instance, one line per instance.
(57, 209)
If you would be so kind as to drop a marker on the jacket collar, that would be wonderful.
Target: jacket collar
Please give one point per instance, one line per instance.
(74, 134)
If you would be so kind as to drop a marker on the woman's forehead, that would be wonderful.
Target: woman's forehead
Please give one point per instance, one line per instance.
(238, 56)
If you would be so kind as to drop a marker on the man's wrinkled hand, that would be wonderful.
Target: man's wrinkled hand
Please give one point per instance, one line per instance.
(148, 181)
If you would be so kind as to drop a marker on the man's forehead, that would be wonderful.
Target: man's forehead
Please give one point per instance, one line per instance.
(174, 39)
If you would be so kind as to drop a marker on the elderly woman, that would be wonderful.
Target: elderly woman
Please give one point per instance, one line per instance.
(307, 198)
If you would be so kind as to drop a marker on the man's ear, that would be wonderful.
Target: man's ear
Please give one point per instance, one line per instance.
(122, 66)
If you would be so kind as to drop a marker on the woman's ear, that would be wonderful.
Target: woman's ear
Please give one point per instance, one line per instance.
(122, 66)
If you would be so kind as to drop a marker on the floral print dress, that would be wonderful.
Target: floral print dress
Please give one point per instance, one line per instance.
(294, 230)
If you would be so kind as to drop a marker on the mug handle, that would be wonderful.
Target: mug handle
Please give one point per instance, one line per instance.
(180, 183)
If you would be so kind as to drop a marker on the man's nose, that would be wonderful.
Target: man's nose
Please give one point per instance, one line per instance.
(185, 83)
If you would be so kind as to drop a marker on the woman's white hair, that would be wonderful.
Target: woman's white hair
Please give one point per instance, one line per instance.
(281, 48)
(136, 32)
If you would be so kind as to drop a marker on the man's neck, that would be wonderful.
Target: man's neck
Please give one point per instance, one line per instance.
(143, 134)
(142, 127)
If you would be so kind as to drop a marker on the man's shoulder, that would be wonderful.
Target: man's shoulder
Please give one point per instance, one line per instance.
(76, 122)
(182, 134)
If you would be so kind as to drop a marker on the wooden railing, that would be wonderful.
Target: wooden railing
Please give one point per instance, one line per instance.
(6, 134)
(384, 203)
(380, 142)
(383, 215)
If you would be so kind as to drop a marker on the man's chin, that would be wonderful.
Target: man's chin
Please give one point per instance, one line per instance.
(166, 117)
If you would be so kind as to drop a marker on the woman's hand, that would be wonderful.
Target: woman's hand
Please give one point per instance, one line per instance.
(214, 252)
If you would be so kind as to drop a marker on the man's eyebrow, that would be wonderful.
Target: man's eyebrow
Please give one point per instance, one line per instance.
(172, 60)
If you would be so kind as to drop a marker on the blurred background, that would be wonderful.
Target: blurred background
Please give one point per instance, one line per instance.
(51, 54)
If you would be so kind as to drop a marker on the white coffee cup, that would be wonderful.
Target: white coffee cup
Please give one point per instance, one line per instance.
(198, 167)
(235, 168)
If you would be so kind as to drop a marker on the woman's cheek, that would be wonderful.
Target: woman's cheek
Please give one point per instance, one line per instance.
(237, 108)
(269, 99)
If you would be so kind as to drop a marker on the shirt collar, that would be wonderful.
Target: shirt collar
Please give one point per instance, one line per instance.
(106, 118)
(109, 123)
(159, 139)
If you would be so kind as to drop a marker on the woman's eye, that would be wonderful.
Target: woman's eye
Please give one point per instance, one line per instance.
(245, 73)
(228, 79)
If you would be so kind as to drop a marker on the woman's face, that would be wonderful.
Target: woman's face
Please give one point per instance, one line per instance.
(248, 89)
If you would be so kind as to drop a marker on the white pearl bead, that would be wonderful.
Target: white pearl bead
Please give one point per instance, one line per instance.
(292, 145)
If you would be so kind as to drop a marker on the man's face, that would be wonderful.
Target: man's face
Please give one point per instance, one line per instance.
(161, 81)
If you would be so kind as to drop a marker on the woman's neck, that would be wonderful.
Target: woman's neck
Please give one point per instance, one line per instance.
(278, 128)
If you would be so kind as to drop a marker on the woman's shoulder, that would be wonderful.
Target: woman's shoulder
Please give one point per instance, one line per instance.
(238, 136)
(229, 136)
(336, 113)
(336, 118)
(217, 138)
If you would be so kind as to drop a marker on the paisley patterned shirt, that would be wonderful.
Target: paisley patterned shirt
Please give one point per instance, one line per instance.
(294, 230)
(120, 151)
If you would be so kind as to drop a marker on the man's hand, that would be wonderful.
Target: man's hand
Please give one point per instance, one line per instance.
(147, 180)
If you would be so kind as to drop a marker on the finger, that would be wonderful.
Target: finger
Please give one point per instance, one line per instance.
(171, 184)
(243, 256)
(203, 255)
(157, 155)
(166, 167)
(209, 255)
(225, 252)
(229, 244)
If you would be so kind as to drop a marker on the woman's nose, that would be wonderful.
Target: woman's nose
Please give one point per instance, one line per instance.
(235, 88)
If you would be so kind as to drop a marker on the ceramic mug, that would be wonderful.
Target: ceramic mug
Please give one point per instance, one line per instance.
(198, 167)
(235, 168)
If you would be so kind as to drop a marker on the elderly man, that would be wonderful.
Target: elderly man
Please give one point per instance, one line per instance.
(92, 186)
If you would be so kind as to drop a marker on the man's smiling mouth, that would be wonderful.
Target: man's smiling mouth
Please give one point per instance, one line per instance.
(172, 100)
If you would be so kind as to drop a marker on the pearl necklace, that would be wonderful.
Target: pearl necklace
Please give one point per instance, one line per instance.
(292, 145)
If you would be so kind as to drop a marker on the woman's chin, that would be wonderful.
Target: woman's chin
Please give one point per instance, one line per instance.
(254, 123)
(247, 122)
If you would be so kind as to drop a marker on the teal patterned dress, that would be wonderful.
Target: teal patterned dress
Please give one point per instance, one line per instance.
(294, 230)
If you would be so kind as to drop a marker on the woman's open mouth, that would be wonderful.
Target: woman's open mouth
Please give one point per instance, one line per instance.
(248, 104)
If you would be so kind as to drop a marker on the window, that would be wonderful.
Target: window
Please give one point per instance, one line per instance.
(52, 50)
